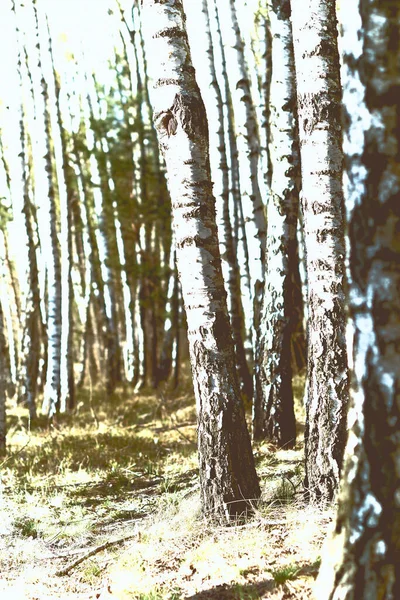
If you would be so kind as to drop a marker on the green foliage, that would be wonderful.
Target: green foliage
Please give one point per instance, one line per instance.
(26, 527)
(160, 595)
(5, 212)
(285, 573)
(91, 572)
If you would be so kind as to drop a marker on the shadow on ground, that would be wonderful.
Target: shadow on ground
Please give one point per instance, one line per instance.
(236, 592)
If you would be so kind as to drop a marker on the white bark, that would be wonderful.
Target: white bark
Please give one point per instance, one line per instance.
(211, 92)
(226, 465)
(273, 406)
(235, 197)
(251, 179)
(61, 168)
(3, 384)
(318, 91)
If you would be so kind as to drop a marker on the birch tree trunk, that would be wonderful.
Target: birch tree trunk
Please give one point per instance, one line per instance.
(66, 198)
(319, 97)
(248, 141)
(239, 229)
(3, 384)
(32, 324)
(53, 377)
(227, 473)
(207, 79)
(273, 403)
(362, 560)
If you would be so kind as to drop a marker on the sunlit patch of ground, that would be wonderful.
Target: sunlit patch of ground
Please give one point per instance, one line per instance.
(116, 485)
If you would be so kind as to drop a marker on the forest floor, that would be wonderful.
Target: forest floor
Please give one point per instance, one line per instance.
(115, 486)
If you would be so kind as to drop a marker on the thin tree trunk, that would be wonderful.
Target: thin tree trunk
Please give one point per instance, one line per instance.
(239, 230)
(362, 560)
(10, 265)
(53, 379)
(66, 198)
(8, 324)
(95, 304)
(227, 474)
(30, 347)
(3, 385)
(318, 90)
(230, 268)
(107, 248)
(273, 415)
(251, 181)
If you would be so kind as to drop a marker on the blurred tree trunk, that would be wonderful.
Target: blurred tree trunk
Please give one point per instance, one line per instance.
(127, 212)
(319, 97)
(66, 198)
(3, 384)
(51, 400)
(362, 560)
(104, 231)
(273, 415)
(97, 320)
(8, 315)
(12, 302)
(32, 323)
(227, 474)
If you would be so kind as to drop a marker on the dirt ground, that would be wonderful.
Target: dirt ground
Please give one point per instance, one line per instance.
(105, 504)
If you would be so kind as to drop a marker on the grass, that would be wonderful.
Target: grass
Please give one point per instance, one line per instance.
(285, 573)
(74, 487)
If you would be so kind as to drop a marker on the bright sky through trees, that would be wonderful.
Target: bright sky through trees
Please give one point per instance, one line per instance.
(81, 32)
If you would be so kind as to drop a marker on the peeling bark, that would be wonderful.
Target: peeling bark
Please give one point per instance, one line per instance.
(273, 415)
(319, 103)
(227, 474)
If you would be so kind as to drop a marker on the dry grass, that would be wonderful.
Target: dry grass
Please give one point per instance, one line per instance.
(68, 489)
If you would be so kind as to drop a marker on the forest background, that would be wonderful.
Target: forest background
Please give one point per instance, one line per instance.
(113, 279)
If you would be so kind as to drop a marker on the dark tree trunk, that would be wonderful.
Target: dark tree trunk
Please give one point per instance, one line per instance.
(362, 561)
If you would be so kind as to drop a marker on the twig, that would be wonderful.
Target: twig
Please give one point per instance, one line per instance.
(14, 454)
(158, 429)
(93, 412)
(92, 552)
(175, 428)
(291, 483)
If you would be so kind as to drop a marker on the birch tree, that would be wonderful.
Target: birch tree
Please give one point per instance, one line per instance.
(3, 384)
(227, 473)
(251, 179)
(53, 261)
(212, 95)
(273, 404)
(241, 243)
(319, 97)
(32, 322)
(66, 197)
(362, 560)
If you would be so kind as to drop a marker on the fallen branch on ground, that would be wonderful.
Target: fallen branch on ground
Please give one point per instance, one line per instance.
(92, 552)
